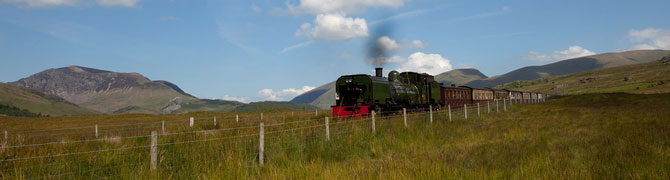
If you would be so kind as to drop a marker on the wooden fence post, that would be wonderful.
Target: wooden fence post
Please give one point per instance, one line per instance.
(154, 150)
(478, 114)
(373, 122)
(327, 130)
(431, 114)
(504, 105)
(404, 113)
(465, 108)
(163, 126)
(261, 141)
(237, 118)
(96, 131)
(214, 120)
(191, 122)
(316, 112)
(6, 137)
(497, 110)
(449, 108)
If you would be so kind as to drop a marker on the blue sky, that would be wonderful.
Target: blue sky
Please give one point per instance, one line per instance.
(274, 50)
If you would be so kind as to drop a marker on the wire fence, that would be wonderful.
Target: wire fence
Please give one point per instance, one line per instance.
(211, 144)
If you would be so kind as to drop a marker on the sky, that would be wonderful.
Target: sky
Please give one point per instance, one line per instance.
(274, 50)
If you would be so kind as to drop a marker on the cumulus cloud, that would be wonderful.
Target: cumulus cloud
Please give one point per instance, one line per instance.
(571, 52)
(235, 98)
(389, 45)
(111, 3)
(432, 64)
(334, 27)
(281, 95)
(651, 38)
(41, 3)
(340, 6)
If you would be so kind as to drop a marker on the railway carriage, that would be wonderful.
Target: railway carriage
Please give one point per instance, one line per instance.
(516, 96)
(500, 94)
(455, 96)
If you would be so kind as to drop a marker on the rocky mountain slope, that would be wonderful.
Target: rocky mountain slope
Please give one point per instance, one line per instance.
(575, 65)
(38, 102)
(459, 77)
(110, 92)
(322, 97)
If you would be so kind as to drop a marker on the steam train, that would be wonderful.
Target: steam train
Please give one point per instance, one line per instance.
(357, 95)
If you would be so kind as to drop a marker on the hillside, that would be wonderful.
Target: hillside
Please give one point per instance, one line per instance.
(322, 97)
(592, 136)
(111, 92)
(37, 102)
(459, 77)
(573, 66)
(272, 105)
(652, 77)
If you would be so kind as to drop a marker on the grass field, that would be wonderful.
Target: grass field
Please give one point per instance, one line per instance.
(645, 78)
(594, 136)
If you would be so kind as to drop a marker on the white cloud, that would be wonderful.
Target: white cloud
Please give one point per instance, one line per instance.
(426, 63)
(281, 95)
(401, 15)
(111, 3)
(235, 98)
(651, 38)
(334, 27)
(416, 44)
(41, 3)
(571, 52)
(389, 45)
(340, 6)
(299, 45)
(505, 10)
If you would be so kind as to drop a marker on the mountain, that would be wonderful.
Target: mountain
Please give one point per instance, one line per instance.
(322, 97)
(37, 102)
(459, 77)
(646, 78)
(574, 65)
(111, 92)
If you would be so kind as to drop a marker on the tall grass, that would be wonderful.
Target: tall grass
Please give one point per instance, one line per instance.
(597, 136)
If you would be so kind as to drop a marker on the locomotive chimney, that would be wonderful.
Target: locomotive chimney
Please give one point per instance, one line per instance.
(378, 72)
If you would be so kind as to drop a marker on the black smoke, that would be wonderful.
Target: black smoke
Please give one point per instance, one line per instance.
(376, 54)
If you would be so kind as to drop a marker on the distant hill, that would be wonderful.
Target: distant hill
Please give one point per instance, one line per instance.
(35, 101)
(652, 77)
(573, 66)
(112, 92)
(269, 105)
(322, 97)
(459, 77)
